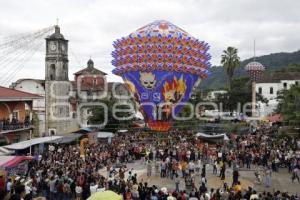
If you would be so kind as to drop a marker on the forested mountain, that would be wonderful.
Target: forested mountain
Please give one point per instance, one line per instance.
(272, 62)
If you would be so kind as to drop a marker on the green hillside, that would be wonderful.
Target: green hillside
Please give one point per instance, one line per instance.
(272, 62)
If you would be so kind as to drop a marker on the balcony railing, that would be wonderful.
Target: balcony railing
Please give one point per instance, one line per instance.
(6, 126)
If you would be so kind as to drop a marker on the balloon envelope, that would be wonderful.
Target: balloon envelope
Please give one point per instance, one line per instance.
(161, 64)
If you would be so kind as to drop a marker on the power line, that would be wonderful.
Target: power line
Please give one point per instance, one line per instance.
(15, 50)
(21, 65)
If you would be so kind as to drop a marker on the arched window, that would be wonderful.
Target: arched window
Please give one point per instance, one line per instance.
(52, 72)
(271, 90)
(259, 90)
(65, 71)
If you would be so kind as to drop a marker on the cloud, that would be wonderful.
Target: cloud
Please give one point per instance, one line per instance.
(91, 26)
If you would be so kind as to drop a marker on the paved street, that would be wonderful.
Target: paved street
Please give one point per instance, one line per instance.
(280, 181)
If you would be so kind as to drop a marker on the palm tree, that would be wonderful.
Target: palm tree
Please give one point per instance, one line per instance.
(230, 61)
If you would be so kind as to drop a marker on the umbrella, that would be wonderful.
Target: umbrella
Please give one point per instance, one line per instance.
(106, 195)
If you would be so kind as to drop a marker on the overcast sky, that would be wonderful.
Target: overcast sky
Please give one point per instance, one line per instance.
(91, 26)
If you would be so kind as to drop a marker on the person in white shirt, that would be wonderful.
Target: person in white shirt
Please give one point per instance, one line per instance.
(93, 188)
(8, 185)
(254, 196)
(198, 166)
(78, 190)
(191, 167)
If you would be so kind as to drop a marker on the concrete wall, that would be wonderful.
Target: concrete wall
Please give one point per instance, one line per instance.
(268, 108)
(33, 87)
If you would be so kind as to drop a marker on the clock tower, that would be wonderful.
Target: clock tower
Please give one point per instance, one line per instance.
(57, 57)
(57, 117)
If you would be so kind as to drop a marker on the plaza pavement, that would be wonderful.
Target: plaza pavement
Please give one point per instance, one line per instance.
(280, 180)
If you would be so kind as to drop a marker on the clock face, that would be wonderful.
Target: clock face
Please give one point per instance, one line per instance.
(52, 46)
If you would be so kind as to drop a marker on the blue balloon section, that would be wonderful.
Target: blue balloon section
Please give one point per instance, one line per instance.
(160, 91)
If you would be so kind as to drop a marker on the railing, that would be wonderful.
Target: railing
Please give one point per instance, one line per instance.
(10, 126)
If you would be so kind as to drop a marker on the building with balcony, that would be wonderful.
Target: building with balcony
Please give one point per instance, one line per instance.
(16, 114)
(34, 86)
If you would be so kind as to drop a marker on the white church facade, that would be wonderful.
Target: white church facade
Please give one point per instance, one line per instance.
(270, 85)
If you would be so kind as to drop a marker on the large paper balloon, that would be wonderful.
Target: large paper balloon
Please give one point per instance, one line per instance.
(161, 64)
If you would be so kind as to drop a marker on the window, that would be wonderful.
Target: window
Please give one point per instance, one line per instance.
(259, 90)
(94, 81)
(52, 132)
(271, 90)
(15, 114)
(284, 85)
(52, 72)
(60, 111)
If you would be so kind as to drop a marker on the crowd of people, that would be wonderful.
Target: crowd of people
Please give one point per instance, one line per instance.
(62, 173)
(14, 123)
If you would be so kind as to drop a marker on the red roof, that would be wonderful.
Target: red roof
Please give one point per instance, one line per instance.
(15, 161)
(90, 70)
(11, 94)
(275, 118)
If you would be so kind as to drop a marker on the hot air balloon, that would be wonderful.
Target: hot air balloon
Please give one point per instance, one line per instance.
(161, 64)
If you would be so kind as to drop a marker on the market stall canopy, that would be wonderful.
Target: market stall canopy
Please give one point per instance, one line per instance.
(107, 195)
(12, 161)
(204, 136)
(5, 152)
(67, 138)
(105, 135)
(83, 130)
(122, 131)
(28, 143)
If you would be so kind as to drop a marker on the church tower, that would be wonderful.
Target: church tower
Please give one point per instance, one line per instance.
(58, 119)
(56, 57)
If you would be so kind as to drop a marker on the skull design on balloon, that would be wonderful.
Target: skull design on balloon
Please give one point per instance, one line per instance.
(148, 80)
(161, 64)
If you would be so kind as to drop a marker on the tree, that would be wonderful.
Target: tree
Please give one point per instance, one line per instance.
(113, 124)
(230, 61)
(289, 105)
(240, 93)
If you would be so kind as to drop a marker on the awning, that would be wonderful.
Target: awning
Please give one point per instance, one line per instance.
(107, 195)
(122, 131)
(67, 138)
(83, 130)
(105, 134)
(222, 136)
(28, 143)
(12, 161)
(5, 152)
